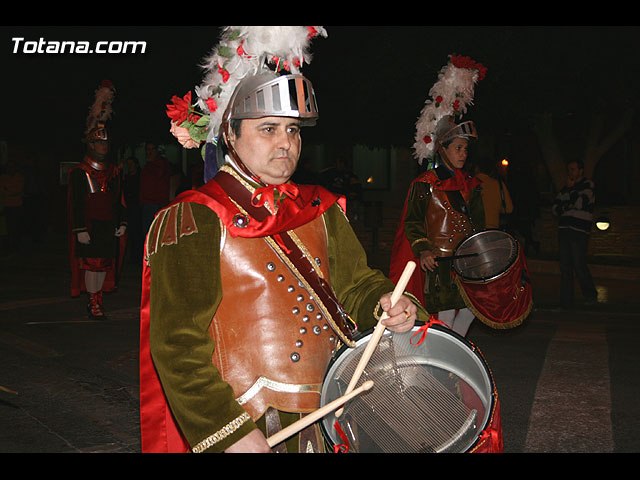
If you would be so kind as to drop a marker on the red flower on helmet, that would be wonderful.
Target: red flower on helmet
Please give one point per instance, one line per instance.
(224, 73)
(211, 104)
(466, 62)
(426, 139)
(178, 111)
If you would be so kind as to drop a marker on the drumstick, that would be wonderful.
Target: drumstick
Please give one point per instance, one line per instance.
(307, 420)
(453, 257)
(379, 329)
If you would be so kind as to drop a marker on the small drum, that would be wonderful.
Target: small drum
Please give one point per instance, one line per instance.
(432, 392)
(493, 279)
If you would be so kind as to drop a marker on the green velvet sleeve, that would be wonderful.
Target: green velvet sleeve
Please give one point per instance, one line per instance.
(414, 221)
(185, 293)
(357, 286)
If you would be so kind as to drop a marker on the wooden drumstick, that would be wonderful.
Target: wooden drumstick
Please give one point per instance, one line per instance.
(307, 420)
(379, 329)
(455, 257)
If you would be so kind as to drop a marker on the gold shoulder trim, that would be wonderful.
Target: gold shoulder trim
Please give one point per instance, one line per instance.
(170, 224)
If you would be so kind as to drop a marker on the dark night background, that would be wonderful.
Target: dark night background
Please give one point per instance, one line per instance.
(371, 83)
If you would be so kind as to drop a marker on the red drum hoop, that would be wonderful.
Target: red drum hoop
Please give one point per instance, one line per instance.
(433, 392)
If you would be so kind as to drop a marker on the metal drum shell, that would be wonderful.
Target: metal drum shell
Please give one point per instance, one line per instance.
(448, 351)
(462, 264)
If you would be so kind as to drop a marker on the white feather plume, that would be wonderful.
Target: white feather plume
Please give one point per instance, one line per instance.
(454, 84)
(247, 50)
(101, 110)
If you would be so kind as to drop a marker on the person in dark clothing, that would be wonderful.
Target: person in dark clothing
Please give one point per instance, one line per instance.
(155, 185)
(131, 190)
(574, 205)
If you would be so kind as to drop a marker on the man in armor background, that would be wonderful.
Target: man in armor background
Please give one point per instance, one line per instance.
(97, 214)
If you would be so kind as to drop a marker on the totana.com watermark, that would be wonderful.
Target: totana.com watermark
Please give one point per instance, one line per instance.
(20, 45)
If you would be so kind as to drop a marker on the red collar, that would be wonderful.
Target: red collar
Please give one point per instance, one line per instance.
(461, 181)
(302, 204)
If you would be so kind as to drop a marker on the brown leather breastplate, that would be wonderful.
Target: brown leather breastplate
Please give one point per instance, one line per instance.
(446, 227)
(273, 343)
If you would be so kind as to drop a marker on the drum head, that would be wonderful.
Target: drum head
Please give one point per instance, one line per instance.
(435, 396)
(494, 252)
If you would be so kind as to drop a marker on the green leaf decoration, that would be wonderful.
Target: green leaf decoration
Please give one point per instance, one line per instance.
(225, 51)
(203, 121)
(198, 131)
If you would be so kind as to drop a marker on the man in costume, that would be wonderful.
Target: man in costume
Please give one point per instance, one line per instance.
(444, 204)
(251, 282)
(574, 206)
(97, 214)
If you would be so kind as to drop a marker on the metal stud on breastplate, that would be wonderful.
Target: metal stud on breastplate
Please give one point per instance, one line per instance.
(240, 220)
(271, 266)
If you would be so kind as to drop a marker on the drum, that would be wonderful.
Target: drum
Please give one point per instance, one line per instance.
(493, 279)
(433, 392)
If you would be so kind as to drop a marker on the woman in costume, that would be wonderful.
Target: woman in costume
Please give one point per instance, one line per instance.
(444, 204)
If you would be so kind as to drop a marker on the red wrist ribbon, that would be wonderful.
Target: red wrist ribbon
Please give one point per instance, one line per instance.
(423, 329)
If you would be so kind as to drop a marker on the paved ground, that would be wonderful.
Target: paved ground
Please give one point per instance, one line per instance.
(567, 381)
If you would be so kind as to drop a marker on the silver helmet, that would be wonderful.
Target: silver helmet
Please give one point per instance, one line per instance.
(447, 130)
(270, 95)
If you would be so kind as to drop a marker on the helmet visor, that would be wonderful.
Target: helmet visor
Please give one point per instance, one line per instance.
(463, 130)
(283, 96)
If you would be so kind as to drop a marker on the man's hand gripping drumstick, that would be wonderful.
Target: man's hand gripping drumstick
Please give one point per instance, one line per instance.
(307, 420)
(396, 296)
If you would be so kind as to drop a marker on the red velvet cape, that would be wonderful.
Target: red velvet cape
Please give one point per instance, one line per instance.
(159, 430)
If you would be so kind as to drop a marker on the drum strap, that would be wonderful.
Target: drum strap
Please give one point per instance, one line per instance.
(309, 439)
(455, 197)
(340, 321)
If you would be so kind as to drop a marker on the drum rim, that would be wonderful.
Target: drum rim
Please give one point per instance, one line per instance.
(492, 401)
(497, 275)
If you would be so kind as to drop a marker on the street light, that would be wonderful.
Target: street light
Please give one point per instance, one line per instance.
(603, 223)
